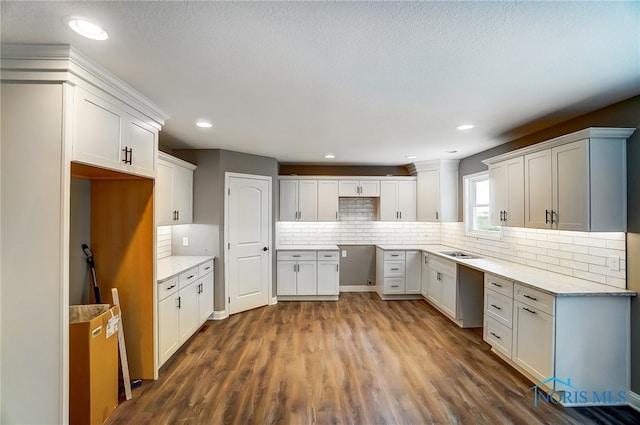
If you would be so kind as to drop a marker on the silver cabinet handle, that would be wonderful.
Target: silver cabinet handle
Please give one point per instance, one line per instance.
(530, 297)
(496, 284)
(337, 267)
(394, 269)
(496, 335)
(496, 307)
(179, 303)
(530, 311)
(395, 286)
(171, 287)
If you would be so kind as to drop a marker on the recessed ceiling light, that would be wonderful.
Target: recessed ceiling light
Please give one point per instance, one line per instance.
(411, 157)
(329, 156)
(88, 29)
(465, 127)
(204, 124)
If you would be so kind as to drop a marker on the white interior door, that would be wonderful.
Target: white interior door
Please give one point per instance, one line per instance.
(248, 242)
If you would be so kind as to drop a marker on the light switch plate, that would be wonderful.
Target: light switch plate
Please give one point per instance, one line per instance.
(185, 241)
(344, 253)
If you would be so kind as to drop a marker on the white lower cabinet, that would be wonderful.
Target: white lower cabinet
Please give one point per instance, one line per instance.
(413, 272)
(398, 272)
(442, 286)
(560, 340)
(185, 302)
(307, 273)
(424, 275)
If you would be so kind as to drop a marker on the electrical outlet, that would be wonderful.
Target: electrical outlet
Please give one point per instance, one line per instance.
(344, 253)
(614, 263)
(185, 241)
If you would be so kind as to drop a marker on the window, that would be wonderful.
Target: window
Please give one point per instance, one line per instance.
(476, 207)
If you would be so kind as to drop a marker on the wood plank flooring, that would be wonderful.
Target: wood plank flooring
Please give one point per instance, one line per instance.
(359, 360)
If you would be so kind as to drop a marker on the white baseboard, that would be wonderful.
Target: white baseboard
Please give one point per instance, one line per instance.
(274, 301)
(634, 400)
(220, 315)
(357, 288)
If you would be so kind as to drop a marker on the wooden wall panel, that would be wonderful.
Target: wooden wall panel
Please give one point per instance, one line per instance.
(122, 240)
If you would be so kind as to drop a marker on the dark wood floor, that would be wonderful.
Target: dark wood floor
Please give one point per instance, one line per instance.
(359, 360)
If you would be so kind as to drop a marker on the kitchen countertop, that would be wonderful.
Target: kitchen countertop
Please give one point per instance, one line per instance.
(169, 267)
(544, 280)
(308, 248)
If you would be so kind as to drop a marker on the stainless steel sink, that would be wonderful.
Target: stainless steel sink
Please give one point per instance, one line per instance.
(459, 254)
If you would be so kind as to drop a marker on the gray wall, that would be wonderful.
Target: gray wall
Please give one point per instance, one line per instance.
(208, 199)
(80, 232)
(622, 114)
(358, 266)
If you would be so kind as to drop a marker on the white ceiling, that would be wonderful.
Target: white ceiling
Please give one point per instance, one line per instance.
(371, 82)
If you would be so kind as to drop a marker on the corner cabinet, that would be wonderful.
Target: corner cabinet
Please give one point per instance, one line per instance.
(573, 182)
(437, 190)
(107, 133)
(174, 191)
(546, 336)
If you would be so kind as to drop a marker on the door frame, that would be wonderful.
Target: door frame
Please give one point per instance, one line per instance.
(269, 179)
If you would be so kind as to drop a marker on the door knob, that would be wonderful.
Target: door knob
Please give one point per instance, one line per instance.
(265, 248)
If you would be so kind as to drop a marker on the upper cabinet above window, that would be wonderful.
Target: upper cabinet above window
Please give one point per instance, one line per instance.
(573, 182)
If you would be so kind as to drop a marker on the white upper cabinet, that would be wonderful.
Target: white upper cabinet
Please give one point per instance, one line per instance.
(327, 200)
(437, 190)
(506, 181)
(298, 200)
(106, 134)
(398, 200)
(174, 191)
(573, 182)
(365, 188)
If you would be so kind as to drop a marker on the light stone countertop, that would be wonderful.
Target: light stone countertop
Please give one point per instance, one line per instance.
(169, 267)
(546, 281)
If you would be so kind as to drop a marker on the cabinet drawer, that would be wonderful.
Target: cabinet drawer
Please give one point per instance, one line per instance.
(328, 255)
(498, 284)
(498, 335)
(394, 255)
(534, 298)
(394, 268)
(167, 288)
(188, 277)
(498, 307)
(296, 255)
(205, 268)
(394, 285)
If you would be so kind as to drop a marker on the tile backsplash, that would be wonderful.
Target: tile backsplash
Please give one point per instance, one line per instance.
(583, 255)
(356, 232)
(163, 241)
(358, 209)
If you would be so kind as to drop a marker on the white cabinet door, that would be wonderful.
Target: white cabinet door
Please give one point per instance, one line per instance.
(327, 200)
(168, 331)
(205, 297)
(328, 278)
(306, 278)
(288, 200)
(183, 195)
(97, 131)
(370, 188)
(533, 340)
(286, 277)
(142, 141)
(307, 200)
(537, 190)
(163, 194)
(515, 192)
(425, 275)
(406, 200)
(430, 195)
(449, 294)
(570, 183)
(389, 201)
(188, 306)
(497, 193)
(434, 293)
(413, 272)
(349, 188)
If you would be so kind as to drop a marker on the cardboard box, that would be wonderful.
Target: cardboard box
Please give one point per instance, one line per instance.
(93, 362)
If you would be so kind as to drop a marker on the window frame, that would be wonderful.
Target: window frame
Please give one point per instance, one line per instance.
(468, 206)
